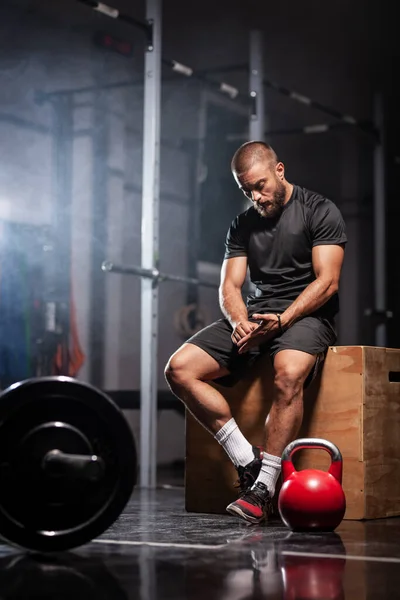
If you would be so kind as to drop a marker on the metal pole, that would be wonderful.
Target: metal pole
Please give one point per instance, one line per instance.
(380, 223)
(100, 143)
(149, 243)
(58, 307)
(256, 87)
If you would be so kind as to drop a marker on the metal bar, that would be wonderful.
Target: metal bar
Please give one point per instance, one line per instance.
(59, 303)
(21, 122)
(220, 86)
(380, 223)
(363, 125)
(155, 275)
(114, 13)
(257, 112)
(165, 196)
(41, 97)
(130, 399)
(100, 145)
(149, 246)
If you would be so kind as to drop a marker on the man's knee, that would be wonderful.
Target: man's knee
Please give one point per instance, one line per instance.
(289, 380)
(177, 370)
(190, 364)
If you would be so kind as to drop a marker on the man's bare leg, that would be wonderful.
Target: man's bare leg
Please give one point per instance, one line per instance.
(188, 374)
(291, 369)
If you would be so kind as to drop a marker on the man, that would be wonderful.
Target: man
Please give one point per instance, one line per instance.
(292, 240)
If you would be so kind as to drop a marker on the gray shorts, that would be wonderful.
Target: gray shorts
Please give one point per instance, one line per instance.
(310, 334)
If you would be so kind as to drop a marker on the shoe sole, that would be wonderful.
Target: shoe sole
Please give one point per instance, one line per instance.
(236, 511)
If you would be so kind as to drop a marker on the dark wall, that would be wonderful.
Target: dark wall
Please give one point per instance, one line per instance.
(393, 219)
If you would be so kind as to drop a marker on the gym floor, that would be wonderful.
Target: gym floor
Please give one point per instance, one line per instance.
(157, 551)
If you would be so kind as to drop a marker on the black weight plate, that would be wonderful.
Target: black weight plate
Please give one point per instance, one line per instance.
(44, 513)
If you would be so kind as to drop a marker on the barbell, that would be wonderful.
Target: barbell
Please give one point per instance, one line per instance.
(154, 274)
(68, 463)
(158, 277)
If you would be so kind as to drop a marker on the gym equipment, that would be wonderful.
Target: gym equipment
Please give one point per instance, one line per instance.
(68, 463)
(154, 274)
(312, 500)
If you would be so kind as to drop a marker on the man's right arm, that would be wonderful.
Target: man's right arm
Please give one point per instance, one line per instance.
(233, 276)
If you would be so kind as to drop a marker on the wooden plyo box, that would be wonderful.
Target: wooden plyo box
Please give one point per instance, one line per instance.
(354, 402)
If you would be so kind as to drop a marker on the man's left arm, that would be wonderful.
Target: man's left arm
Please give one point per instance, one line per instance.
(328, 236)
(327, 263)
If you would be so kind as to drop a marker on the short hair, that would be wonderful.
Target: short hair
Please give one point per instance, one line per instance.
(250, 153)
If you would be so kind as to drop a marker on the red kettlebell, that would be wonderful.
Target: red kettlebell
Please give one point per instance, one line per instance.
(312, 500)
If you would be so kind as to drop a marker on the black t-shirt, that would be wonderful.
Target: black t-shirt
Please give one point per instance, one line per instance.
(279, 250)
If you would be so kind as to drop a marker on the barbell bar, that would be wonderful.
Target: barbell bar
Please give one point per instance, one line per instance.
(154, 274)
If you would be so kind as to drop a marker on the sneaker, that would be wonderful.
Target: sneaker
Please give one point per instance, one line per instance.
(254, 505)
(249, 473)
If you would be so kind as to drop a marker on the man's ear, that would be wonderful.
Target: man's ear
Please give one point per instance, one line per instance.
(280, 170)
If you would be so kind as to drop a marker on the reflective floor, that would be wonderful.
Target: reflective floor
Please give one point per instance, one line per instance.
(158, 551)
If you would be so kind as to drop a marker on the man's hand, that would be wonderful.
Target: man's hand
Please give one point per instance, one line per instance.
(266, 329)
(242, 329)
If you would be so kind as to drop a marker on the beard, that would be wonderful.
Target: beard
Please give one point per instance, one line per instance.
(273, 209)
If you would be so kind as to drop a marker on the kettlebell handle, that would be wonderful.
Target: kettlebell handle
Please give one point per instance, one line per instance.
(312, 443)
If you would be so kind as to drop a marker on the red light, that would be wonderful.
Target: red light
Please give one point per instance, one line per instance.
(105, 40)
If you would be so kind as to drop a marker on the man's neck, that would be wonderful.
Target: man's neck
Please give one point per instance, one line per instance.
(289, 191)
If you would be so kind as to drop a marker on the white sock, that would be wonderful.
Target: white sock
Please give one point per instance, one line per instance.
(239, 450)
(270, 471)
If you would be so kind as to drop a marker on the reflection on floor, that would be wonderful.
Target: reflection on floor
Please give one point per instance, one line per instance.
(158, 551)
